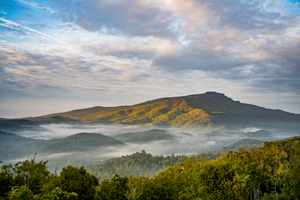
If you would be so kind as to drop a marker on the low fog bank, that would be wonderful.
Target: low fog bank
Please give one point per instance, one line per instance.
(64, 130)
(185, 142)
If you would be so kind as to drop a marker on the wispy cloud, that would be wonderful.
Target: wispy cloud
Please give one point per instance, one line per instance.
(36, 5)
(142, 50)
(19, 27)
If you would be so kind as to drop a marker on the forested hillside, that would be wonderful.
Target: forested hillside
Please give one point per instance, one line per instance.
(142, 164)
(199, 110)
(80, 142)
(268, 172)
(13, 146)
(145, 136)
(246, 144)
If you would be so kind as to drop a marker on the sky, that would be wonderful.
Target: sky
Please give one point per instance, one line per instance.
(60, 55)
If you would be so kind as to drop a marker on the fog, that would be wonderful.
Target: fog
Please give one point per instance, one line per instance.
(185, 142)
(64, 130)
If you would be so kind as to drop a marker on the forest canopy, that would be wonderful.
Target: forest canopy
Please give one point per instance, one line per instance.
(268, 172)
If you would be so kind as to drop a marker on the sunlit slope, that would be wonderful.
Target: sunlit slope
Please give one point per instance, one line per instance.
(175, 112)
(54, 119)
(87, 113)
(200, 110)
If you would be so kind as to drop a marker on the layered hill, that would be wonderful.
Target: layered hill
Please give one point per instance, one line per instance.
(144, 136)
(13, 146)
(33, 123)
(246, 144)
(200, 110)
(262, 134)
(80, 142)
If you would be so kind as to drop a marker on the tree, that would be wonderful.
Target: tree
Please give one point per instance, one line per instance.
(29, 172)
(113, 190)
(6, 179)
(58, 194)
(78, 180)
(22, 193)
(292, 179)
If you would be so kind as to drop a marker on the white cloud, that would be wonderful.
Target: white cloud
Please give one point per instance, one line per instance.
(143, 50)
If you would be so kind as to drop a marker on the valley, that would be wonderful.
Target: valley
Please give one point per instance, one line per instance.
(146, 140)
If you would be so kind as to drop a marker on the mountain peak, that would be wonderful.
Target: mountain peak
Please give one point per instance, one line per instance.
(197, 110)
(213, 93)
(209, 94)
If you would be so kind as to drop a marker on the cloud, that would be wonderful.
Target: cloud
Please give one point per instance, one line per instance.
(141, 50)
(138, 18)
(36, 6)
(16, 26)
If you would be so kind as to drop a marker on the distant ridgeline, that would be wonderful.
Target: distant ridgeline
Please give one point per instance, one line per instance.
(200, 110)
(13, 146)
(144, 136)
(142, 164)
(268, 172)
(80, 142)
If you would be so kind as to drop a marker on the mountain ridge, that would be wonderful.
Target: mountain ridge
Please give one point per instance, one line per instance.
(196, 110)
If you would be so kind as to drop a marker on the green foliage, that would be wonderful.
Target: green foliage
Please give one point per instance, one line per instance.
(78, 180)
(269, 167)
(30, 173)
(114, 189)
(33, 174)
(268, 172)
(246, 144)
(58, 194)
(6, 179)
(20, 193)
(140, 164)
(291, 180)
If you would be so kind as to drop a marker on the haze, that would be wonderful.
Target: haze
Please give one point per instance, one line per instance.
(186, 142)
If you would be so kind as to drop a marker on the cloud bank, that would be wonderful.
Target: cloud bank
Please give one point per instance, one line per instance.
(108, 52)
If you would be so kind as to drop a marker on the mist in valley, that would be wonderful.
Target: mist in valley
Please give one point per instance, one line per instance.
(185, 142)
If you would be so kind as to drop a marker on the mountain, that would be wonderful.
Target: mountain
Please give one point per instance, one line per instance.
(80, 142)
(173, 111)
(246, 144)
(141, 164)
(262, 134)
(13, 146)
(33, 123)
(144, 136)
(19, 124)
(199, 110)
(54, 120)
